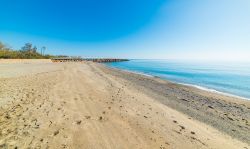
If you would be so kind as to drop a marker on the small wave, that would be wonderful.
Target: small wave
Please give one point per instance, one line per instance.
(213, 91)
(192, 85)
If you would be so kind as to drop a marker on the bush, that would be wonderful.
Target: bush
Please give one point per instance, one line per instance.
(26, 52)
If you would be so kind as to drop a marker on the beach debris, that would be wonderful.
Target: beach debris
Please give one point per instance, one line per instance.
(192, 132)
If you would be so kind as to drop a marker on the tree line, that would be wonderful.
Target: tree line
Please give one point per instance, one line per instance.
(28, 51)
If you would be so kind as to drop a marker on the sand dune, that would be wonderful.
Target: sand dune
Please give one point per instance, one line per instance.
(81, 105)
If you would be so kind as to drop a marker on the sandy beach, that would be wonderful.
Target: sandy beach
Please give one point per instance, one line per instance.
(88, 105)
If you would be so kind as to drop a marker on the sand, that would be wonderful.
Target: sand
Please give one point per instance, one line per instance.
(87, 105)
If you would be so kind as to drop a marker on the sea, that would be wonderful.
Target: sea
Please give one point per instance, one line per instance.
(232, 79)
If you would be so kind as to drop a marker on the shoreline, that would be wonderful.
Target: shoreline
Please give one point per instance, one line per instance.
(215, 91)
(199, 104)
(186, 84)
(90, 105)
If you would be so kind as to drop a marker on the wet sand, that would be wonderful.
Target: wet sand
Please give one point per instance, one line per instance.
(87, 105)
(226, 113)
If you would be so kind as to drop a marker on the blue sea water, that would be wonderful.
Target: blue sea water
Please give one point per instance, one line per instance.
(230, 78)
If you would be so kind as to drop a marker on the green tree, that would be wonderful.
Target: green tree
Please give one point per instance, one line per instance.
(27, 47)
(28, 51)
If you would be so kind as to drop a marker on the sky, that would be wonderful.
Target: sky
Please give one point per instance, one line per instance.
(138, 29)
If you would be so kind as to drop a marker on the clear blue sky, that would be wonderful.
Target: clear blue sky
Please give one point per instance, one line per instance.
(157, 29)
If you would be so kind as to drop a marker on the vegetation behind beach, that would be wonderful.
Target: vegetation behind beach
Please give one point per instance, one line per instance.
(28, 51)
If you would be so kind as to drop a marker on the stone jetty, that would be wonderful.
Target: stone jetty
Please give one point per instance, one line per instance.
(97, 60)
(106, 60)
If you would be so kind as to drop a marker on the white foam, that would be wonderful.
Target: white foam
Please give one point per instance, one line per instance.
(214, 91)
(192, 85)
(136, 72)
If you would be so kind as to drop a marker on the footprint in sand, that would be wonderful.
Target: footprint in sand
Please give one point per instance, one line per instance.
(78, 122)
(87, 117)
(182, 127)
(56, 132)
